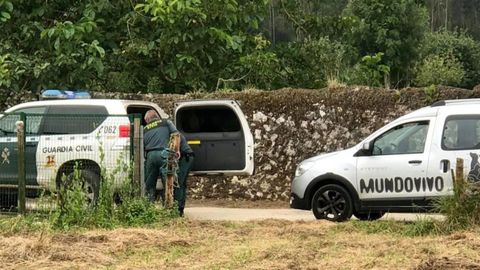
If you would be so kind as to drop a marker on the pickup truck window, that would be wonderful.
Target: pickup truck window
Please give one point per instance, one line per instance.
(7, 123)
(461, 132)
(63, 119)
(406, 138)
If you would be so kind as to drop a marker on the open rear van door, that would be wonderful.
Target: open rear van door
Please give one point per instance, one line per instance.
(219, 135)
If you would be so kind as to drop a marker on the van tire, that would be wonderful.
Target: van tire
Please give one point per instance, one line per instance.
(91, 184)
(333, 203)
(370, 216)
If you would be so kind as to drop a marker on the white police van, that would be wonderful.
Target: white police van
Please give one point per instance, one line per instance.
(61, 133)
(402, 167)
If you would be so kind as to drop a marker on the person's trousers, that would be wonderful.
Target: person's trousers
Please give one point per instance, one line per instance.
(180, 192)
(153, 167)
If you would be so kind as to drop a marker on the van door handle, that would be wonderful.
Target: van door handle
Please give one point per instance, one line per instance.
(445, 165)
(415, 162)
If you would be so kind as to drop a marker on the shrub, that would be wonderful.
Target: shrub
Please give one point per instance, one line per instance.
(370, 71)
(456, 47)
(462, 210)
(440, 70)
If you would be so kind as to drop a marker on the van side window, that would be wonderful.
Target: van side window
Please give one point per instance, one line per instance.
(406, 138)
(461, 132)
(7, 123)
(214, 119)
(74, 119)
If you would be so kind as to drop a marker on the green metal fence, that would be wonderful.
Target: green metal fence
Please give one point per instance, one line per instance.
(40, 157)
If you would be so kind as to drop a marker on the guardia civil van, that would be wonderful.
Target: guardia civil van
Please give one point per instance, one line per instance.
(95, 133)
(401, 167)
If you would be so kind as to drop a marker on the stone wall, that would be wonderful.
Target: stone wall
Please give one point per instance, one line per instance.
(290, 125)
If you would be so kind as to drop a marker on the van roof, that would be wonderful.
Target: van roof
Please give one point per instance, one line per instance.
(473, 101)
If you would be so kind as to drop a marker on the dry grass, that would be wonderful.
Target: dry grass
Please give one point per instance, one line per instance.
(270, 244)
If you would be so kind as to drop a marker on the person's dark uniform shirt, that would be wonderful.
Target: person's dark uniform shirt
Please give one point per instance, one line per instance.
(156, 138)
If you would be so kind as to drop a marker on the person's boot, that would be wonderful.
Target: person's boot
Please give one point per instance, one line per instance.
(180, 211)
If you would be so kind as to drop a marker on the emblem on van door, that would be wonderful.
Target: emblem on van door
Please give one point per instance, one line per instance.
(474, 173)
(5, 155)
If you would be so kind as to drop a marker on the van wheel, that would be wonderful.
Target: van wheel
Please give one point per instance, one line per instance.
(370, 216)
(90, 184)
(333, 203)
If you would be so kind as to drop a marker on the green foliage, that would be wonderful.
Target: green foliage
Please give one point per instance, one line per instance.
(73, 207)
(75, 210)
(261, 67)
(311, 63)
(171, 46)
(462, 210)
(316, 19)
(452, 53)
(431, 93)
(196, 38)
(394, 27)
(6, 8)
(440, 70)
(370, 71)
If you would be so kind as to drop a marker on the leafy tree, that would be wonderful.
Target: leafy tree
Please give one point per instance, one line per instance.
(124, 45)
(394, 27)
(193, 40)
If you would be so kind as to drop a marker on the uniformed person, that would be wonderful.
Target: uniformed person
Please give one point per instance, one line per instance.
(156, 140)
(185, 164)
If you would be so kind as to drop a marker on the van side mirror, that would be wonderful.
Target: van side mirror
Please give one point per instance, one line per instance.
(367, 146)
(365, 150)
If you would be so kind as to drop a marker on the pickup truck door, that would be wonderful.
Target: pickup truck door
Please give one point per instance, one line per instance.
(219, 135)
(8, 145)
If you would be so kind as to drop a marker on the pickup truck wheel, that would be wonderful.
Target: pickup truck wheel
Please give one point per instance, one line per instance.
(333, 203)
(8, 200)
(370, 216)
(90, 184)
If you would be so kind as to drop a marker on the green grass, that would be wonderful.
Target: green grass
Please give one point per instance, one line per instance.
(421, 227)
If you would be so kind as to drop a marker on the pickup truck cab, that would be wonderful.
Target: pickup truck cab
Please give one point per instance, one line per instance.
(96, 133)
(401, 167)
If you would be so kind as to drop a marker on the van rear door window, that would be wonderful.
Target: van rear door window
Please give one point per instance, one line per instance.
(208, 120)
(461, 132)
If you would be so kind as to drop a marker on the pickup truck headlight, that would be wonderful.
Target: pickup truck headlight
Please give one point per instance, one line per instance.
(302, 168)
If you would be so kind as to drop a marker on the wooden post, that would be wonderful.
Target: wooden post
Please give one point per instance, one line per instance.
(20, 128)
(459, 178)
(174, 147)
(137, 159)
(459, 182)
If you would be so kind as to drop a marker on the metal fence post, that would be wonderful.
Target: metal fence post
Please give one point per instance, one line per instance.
(20, 128)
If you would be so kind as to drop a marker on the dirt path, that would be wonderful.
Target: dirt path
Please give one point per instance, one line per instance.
(246, 214)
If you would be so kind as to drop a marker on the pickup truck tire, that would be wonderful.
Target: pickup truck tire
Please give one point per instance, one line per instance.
(8, 200)
(332, 202)
(370, 216)
(91, 184)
